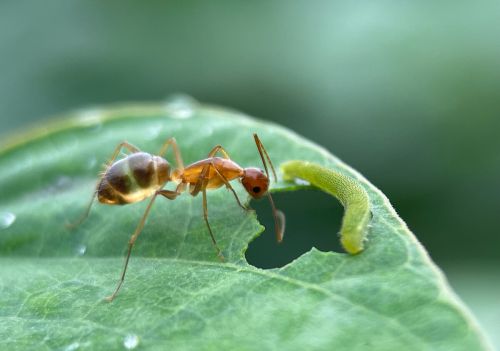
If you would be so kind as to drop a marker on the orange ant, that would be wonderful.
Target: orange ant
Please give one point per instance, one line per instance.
(140, 175)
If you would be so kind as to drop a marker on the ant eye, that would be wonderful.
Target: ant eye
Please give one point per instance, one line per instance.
(256, 189)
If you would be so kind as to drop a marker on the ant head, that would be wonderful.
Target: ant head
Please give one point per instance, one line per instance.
(255, 182)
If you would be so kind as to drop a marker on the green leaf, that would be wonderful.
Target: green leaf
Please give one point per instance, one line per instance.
(177, 294)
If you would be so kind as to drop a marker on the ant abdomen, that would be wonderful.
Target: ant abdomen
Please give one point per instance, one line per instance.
(133, 178)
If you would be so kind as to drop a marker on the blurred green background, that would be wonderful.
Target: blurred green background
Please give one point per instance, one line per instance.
(408, 93)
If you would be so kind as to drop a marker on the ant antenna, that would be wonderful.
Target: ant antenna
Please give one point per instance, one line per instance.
(279, 217)
(261, 149)
(279, 220)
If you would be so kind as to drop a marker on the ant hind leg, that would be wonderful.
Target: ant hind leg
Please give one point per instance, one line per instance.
(131, 243)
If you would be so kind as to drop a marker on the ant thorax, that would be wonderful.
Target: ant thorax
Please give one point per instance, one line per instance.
(218, 170)
(133, 178)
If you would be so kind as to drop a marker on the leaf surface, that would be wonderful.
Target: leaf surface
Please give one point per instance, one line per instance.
(177, 294)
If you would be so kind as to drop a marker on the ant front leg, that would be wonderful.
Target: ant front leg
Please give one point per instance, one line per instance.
(225, 155)
(108, 164)
(228, 185)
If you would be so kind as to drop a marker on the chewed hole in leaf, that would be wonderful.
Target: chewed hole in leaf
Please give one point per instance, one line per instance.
(312, 220)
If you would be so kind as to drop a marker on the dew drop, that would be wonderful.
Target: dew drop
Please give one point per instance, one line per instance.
(299, 181)
(72, 347)
(81, 249)
(181, 106)
(6, 219)
(131, 341)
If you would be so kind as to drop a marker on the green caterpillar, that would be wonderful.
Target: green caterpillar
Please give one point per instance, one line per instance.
(353, 197)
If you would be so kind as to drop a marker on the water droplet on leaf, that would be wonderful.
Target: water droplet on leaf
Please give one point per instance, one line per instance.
(6, 219)
(131, 341)
(299, 181)
(81, 249)
(72, 347)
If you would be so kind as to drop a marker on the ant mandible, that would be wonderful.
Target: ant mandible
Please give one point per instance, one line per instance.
(141, 175)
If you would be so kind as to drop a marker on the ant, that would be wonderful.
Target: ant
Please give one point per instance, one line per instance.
(140, 175)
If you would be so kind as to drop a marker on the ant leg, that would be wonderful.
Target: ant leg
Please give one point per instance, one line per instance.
(180, 188)
(204, 172)
(205, 215)
(220, 149)
(171, 195)
(131, 243)
(108, 164)
(123, 144)
(225, 155)
(201, 183)
(212, 153)
(201, 186)
(177, 153)
(228, 185)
